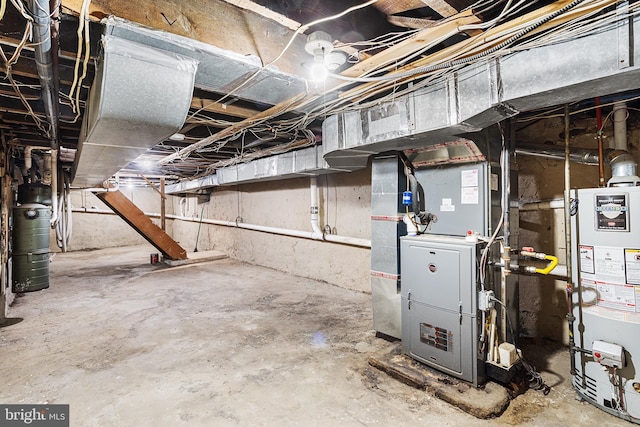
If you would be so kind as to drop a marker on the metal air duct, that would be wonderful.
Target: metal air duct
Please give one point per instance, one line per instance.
(140, 97)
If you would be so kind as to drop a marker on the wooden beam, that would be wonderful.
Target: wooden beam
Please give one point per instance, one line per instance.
(163, 216)
(267, 13)
(392, 7)
(441, 6)
(152, 185)
(133, 216)
(218, 108)
(215, 22)
(414, 44)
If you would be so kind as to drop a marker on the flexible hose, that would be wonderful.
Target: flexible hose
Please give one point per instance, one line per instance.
(550, 266)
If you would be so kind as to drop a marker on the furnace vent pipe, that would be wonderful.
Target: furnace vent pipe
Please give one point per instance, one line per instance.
(620, 114)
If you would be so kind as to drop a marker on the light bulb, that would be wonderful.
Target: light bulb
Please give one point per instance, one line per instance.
(318, 72)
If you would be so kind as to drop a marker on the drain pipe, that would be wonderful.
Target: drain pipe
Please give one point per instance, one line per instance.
(315, 209)
(44, 64)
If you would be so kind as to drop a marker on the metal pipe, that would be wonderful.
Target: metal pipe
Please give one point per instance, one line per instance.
(505, 271)
(567, 236)
(620, 114)
(44, 64)
(506, 185)
(600, 143)
(584, 156)
(537, 206)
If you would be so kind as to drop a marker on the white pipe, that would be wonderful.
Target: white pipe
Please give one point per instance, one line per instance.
(332, 238)
(54, 187)
(315, 209)
(620, 114)
(536, 206)
(105, 187)
(69, 208)
(27, 154)
(46, 172)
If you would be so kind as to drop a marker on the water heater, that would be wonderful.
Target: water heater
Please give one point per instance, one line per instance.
(606, 298)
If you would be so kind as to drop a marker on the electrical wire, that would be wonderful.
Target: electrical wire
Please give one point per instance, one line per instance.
(363, 96)
(83, 35)
(9, 62)
(300, 29)
(536, 381)
(462, 61)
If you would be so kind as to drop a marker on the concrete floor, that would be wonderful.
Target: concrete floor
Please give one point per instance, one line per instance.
(126, 343)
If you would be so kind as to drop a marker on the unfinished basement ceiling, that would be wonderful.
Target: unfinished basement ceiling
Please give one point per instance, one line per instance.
(251, 99)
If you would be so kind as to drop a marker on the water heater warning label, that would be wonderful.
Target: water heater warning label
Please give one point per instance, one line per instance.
(632, 265)
(619, 297)
(612, 212)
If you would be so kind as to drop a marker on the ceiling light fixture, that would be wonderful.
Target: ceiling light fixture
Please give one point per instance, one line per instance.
(325, 58)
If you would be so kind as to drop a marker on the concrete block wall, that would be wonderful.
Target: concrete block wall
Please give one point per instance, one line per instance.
(543, 299)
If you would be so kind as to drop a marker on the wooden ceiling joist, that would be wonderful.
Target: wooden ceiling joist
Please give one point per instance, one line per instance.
(393, 7)
(214, 22)
(218, 108)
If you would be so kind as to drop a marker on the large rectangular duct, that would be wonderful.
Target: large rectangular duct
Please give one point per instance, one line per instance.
(219, 70)
(487, 92)
(140, 96)
(294, 164)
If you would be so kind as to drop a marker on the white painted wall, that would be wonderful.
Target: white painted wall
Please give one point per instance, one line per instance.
(95, 231)
(345, 206)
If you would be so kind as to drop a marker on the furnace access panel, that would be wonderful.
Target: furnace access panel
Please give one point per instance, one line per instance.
(439, 311)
